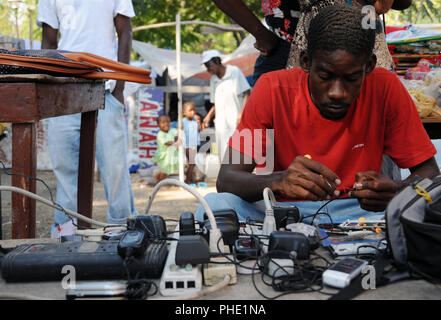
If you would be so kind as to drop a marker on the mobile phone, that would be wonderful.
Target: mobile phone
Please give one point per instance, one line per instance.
(341, 273)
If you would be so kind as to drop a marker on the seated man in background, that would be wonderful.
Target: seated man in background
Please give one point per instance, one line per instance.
(331, 121)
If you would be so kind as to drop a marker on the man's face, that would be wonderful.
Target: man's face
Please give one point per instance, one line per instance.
(335, 80)
(212, 67)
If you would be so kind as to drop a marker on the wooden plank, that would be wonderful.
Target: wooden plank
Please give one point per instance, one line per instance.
(35, 101)
(86, 165)
(24, 162)
(69, 98)
(18, 102)
(45, 78)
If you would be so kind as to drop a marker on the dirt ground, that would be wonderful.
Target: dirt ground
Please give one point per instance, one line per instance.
(169, 202)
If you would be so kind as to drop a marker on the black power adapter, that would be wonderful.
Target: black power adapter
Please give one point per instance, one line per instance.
(285, 215)
(186, 224)
(132, 244)
(152, 225)
(227, 222)
(282, 243)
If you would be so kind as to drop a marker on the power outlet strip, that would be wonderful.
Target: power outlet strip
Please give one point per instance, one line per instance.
(176, 280)
(216, 272)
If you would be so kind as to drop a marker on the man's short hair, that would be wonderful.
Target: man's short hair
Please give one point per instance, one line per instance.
(340, 27)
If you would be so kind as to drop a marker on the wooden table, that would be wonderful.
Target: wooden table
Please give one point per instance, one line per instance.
(26, 99)
(432, 126)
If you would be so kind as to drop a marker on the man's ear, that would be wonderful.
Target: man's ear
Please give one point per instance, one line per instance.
(370, 65)
(305, 61)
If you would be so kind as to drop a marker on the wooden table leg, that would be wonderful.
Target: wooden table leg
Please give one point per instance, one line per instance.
(24, 162)
(86, 164)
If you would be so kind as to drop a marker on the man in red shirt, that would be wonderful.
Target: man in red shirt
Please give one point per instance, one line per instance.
(340, 112)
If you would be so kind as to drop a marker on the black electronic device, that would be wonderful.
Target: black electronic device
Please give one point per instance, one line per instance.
(192, 249)
(132, 244)
(91, 261)
(153, 225)
(228, 224)
(285, 215)
(186, 224)
(282, 243)
(246, 248)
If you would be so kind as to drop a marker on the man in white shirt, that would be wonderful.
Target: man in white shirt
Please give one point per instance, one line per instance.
(91, 26)
(229, 91)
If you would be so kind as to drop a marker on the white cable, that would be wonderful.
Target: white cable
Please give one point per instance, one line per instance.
(215, 233)
(50, 204)
(268, 197)
(269, 223)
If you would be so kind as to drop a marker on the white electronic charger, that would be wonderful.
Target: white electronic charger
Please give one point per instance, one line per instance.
(341, 273)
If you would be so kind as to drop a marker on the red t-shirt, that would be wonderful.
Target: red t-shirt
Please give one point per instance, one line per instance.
(383, 119)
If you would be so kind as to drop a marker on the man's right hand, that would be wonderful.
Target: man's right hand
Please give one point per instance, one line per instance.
(205, 123)
(306, 179)
(267, 42)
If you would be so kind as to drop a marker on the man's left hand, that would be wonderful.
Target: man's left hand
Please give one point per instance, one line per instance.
(118, 93)
(373, 190)
(383, 6)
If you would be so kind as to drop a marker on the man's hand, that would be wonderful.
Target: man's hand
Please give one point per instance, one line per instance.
(118, 93)
(267, 42)
(205, 123)
(373, 190)
(306, 179)
(383, 6)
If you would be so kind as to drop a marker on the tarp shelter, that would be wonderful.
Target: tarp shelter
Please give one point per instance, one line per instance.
(162, 59)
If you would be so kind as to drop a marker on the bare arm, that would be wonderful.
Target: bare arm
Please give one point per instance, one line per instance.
(50, 37)
(304, 179)
(375, 191)
(123, 26)
(383, 6)
(266, 41)
(208, 117)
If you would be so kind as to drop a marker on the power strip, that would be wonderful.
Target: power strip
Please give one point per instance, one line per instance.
(178, 281)
(216, 272)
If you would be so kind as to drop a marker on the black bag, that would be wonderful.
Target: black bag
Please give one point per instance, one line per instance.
(413, 220)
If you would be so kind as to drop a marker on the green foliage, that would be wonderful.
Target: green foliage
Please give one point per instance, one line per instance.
(420, 12)
(26, 11)
(157, 11)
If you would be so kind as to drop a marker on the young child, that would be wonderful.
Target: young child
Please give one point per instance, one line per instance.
(191, 130)
(166, 155)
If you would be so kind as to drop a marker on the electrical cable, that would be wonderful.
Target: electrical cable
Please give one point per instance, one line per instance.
(215, 232)
(55, 206)
(5, 170)
(303, 279)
